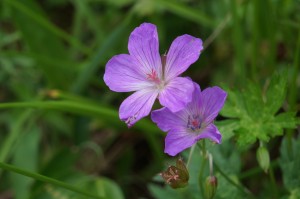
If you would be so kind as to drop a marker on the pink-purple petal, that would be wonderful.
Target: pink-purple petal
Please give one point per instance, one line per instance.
(177, 94)
(211, 132)
(122, 74)
(167, 120)
(144, 47)
(178, 140)
(184, 51)
(137, 106)
(211, 102)
(192, 108)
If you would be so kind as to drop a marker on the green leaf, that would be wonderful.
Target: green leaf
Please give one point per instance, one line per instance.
(286, 120)
(234, 106)
(225, 190)
(25, 156)
(163, 193)
(254, 111)
(226, 157)
(227, 128)
(60, 164)
(290, 163)
(295, 194)
(108, 189)
(276, 92)
(253, 101)
(245, 138)
(9, 142)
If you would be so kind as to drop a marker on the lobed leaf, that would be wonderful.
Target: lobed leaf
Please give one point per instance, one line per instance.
(289, 163)
(276, 92)
(254, 111)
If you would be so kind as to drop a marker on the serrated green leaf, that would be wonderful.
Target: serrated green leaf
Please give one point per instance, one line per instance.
(254, 111)
(252, 98)
(233, 107)
(227, 128)
(290, 163)
(245, 138)
(276, 92)
(286, 120)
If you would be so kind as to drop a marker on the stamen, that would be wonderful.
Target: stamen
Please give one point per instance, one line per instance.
(129, 121)
(194, 122)
(172, 176)
(153, 76)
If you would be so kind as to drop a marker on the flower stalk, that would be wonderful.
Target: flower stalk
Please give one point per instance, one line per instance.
(202, 167)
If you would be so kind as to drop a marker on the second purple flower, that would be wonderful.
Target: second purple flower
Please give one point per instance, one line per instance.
(150, 75)
(194, 122)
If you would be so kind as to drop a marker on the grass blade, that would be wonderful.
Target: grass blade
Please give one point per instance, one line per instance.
(85, 76)
(46, 24)
(46, 179)
(184, 11)
(107, 114)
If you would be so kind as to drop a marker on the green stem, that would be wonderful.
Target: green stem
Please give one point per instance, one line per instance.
(217, 31)
(203, 163)
(190, 155)
(273, 183)
(46, 179)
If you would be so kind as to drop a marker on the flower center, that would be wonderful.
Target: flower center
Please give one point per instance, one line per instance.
(152, 76)
(194, 122)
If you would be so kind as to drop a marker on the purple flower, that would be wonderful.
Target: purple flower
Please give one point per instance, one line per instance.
(150, 75)
(192, 123)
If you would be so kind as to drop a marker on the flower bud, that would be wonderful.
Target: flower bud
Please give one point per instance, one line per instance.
(176, 176)
(211, 184)
(263, 158)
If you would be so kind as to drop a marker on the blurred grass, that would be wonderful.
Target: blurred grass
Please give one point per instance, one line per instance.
(64, 45)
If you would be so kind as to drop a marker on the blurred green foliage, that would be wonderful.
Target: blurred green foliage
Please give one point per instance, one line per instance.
(59, 119)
